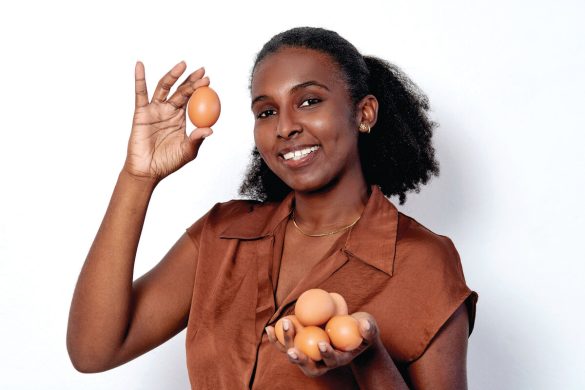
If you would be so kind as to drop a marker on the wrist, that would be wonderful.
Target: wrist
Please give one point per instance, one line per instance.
(376, 352)
(147, 183)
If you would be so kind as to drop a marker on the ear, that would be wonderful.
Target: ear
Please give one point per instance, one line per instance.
(367, 111)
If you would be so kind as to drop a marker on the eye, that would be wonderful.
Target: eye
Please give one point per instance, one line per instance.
(310, 102)
(266, 114)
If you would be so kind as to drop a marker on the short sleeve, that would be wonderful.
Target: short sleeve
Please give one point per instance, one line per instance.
(430, 275)
(195, 231)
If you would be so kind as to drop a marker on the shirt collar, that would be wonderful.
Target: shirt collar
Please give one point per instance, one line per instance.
(372, 239)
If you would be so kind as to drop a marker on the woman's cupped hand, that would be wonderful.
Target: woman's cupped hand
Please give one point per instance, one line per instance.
(159, 144)
(331, 357)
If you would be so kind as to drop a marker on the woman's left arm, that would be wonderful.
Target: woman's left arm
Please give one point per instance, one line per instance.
(442, 366)
(444, 363)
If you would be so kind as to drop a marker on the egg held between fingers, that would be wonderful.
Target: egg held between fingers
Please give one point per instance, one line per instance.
(344, 333)
(279, 331)
(308, 339)
(204, 107)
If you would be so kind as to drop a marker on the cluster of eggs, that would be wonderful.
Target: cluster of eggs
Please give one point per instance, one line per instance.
(321, 317)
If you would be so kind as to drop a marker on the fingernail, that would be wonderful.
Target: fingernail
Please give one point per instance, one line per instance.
(367, 325)
(322, 347)
(285, 325)
(292, 354)
(266, 330)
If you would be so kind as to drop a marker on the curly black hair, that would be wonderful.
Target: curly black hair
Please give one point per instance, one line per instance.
(398, 154)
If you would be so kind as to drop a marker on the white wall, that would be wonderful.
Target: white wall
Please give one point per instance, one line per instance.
(506, 84)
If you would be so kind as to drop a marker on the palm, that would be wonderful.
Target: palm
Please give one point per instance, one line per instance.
(158, 139)
(158, 144)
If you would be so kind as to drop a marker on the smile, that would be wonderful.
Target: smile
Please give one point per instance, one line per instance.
(299, 154)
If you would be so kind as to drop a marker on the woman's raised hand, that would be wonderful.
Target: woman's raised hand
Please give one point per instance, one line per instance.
(159, 144)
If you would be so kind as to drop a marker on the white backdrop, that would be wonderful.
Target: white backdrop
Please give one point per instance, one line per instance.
(506, 83)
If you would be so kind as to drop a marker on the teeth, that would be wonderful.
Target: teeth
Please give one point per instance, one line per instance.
(298, 154)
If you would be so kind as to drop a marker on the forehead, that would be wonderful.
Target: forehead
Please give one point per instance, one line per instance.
(291, 66)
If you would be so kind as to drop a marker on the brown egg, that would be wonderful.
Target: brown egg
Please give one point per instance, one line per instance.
(204, 107)
(344, 333)
(340, 304)
(314, 307)
(308, 339)
(280, 332)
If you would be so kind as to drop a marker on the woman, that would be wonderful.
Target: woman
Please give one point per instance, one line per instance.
(334, 133)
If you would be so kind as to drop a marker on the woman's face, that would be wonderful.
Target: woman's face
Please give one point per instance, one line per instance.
(305, 128)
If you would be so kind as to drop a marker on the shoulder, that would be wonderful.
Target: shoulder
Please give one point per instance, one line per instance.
(419, 244)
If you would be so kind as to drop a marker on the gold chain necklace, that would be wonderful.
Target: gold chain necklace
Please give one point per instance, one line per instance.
(322, 234)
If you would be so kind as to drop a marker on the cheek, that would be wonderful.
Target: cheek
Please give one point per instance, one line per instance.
(340, 133)
(262, 143)
(259, 139)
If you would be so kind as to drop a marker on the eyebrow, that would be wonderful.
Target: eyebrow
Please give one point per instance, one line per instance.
(294, 89)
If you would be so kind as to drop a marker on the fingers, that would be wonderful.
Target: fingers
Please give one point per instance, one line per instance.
(273, 340)
(328, 355)
(368, 329)
(367, 326)
(330, 358)
(166, 83)
(181, 96)
(333, 358)
(289, 333)
(309, 367)
(141, 99)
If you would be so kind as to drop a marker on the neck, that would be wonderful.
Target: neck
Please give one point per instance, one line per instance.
(331, 208)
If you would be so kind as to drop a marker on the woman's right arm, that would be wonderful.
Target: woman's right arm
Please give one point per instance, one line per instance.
(113, 319)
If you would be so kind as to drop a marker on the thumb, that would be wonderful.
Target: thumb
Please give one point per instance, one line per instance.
(196, 138)
(368, 329)
(367, 325)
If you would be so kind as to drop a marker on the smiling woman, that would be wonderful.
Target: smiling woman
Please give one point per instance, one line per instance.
(305, 128)
(336, 133)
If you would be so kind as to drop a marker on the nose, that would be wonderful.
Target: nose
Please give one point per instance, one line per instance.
(287, 126)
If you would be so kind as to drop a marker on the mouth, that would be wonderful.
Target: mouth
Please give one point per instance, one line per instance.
(300, 156)
(296, 155)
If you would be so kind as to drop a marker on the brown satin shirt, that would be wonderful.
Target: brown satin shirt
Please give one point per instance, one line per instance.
(409, 278)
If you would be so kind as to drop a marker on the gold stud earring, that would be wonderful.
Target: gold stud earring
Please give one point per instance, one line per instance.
(365, 128)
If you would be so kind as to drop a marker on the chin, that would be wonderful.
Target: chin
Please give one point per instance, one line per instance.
(312, 186)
